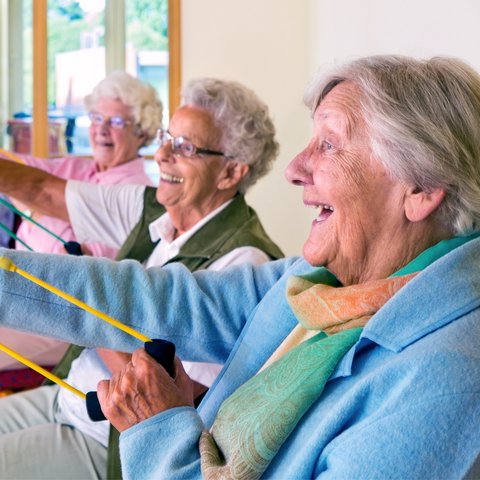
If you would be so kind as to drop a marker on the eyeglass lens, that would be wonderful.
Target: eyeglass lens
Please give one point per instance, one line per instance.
(178, 144)
(116, 121)
(182, 146)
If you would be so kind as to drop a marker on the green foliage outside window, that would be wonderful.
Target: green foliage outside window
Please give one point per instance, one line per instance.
(146, 24)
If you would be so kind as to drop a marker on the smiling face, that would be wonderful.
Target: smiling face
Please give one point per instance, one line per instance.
(361, 230)
(112, 147)
(191, 188)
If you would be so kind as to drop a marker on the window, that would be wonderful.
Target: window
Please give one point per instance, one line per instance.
(86, 39)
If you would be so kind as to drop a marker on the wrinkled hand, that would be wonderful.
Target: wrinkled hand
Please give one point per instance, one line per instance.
(141, 390)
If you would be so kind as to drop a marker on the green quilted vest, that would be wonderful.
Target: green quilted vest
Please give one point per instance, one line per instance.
(237, 225)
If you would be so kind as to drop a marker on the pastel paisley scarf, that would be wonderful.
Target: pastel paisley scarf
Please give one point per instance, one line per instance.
(253, 423)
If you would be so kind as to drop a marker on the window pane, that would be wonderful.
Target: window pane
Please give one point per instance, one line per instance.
(76, 63)
(20, 94)
(147, 47)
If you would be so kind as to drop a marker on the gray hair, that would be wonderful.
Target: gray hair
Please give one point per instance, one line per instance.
(141, 97)
(248, 133)
(423, 121)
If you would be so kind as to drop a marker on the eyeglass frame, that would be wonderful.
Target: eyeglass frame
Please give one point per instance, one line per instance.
(108, 120)
(163, 136)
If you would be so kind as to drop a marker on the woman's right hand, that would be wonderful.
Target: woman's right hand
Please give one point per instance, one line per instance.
(143, 389)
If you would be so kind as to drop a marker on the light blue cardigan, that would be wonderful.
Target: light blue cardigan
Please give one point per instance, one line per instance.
(403, 403)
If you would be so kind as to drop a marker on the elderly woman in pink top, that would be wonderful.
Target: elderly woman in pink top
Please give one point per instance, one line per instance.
(125, 114)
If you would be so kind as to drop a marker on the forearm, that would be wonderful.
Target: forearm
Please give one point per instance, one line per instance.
(155, 301)
(41, 191)
(114, 359)
(163, 446)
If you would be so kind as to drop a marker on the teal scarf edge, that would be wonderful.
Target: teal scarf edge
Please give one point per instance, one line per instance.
(432, 254)
(423, 260)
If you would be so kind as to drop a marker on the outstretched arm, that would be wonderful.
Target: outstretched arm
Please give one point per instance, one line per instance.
(43, 192)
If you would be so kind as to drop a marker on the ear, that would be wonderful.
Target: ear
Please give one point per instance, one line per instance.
(234, 172)
(419, 204)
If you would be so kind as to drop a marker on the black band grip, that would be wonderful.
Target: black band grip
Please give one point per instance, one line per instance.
(162, 351)
(73, 248)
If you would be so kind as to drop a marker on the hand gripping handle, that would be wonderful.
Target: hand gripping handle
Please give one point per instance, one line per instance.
(162, 351)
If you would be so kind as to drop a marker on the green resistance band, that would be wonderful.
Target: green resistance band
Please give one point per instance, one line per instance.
(12, 235)
(30, 219)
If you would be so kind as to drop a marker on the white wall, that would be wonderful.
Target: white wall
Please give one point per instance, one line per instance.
(420, 28)
(275, 46)
(264, 45)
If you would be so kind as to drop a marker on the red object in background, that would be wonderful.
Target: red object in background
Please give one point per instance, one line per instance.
(21, 379)
(20, 131)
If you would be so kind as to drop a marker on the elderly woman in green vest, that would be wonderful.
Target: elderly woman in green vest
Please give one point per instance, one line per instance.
(219, 142)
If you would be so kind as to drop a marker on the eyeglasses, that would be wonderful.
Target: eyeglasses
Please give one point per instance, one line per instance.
(116, 121)
(183, 147)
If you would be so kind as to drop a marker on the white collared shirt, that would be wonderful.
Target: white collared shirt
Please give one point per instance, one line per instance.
(108, 214)
(164, 230)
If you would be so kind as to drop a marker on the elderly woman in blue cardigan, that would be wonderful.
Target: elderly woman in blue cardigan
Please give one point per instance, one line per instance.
(359, 360)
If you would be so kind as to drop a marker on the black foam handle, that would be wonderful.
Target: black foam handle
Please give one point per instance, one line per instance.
(94, 409)
(73, 248)
(162, 351)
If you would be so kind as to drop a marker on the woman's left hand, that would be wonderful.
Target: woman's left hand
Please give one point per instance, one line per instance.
(141, 390)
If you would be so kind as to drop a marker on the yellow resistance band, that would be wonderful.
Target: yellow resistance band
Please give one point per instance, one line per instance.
(41, 370)
(7, 264)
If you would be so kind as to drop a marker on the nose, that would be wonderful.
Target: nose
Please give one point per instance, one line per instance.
(298, 171)
(103, 127)
(164, 153)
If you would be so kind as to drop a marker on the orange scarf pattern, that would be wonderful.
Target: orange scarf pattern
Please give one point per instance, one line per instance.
(253, 423)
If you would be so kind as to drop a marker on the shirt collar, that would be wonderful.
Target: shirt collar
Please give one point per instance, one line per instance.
(123, 167)
(438, 295)
(163, 229)
(424, 304)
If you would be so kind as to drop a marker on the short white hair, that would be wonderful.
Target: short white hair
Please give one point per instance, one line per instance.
(142, 98)
(247, 131)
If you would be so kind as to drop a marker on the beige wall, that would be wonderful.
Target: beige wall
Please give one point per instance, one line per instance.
(275, 46)
(420, 28)
(263, 44)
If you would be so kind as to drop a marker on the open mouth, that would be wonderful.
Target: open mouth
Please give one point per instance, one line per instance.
(166, 177)
(324, 212)
(104, 144)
